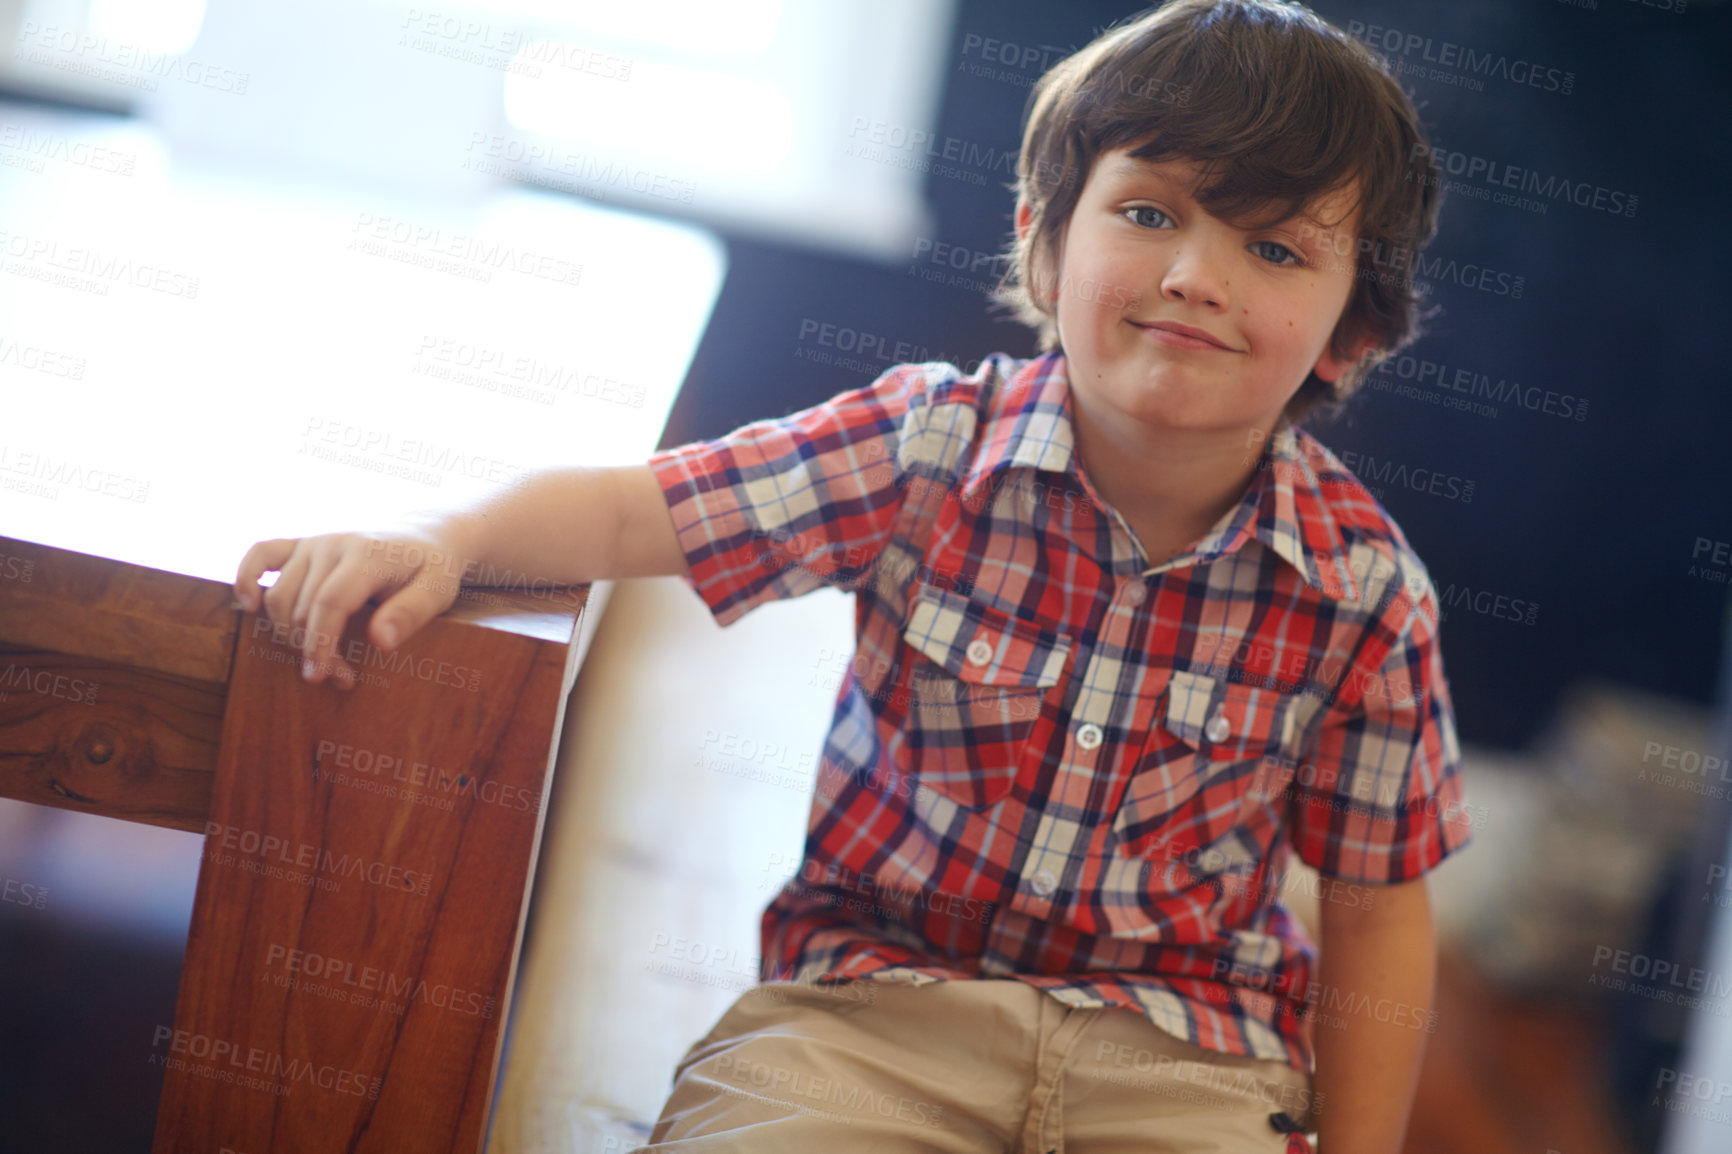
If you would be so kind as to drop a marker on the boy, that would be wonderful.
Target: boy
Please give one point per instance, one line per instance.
(1127, 637)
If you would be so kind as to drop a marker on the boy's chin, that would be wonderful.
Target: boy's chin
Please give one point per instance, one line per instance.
(1200, 415)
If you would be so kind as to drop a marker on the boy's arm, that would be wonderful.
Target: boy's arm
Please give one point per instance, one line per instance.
(569, 526)
(1377, 970)
(562, 526)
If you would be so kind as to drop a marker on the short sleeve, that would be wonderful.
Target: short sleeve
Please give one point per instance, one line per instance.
(1379, 800)
(780, 508)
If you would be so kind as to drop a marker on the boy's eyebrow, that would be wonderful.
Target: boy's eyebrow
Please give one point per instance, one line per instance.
(1126, 165)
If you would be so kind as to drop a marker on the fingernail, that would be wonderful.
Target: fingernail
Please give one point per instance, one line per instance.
(308, 669)
(388, 635)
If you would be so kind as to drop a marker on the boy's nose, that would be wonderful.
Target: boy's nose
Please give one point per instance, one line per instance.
(1193, 278)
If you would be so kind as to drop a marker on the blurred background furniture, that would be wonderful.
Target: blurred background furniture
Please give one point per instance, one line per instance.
(277, 358)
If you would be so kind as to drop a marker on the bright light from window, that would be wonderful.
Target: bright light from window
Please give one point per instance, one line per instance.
(160, 26)
(747, 113)
(714, 27)
(725, 124)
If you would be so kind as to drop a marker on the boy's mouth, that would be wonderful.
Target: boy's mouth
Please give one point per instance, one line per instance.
(1182, 336)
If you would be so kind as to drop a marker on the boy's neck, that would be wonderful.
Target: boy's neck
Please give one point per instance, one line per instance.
(1170, 485)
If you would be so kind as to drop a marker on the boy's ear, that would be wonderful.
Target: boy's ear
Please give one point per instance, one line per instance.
(1330, 367)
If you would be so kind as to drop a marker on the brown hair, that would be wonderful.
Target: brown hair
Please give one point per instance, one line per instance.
(1279, 108)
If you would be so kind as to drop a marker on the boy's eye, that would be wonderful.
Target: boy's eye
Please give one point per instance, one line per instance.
(1275, 253)
(1146, 215)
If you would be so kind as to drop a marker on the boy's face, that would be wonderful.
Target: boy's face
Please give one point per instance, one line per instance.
(1140, 258)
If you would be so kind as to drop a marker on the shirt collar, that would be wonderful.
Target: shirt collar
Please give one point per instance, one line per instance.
(1028, 424)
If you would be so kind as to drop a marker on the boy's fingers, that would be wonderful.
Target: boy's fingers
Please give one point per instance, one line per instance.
(319, 568)
(411, 607)
(279, 599)
(260, 559)
(342, 591)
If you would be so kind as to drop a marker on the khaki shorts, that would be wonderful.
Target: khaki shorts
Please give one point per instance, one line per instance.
(964, 1067)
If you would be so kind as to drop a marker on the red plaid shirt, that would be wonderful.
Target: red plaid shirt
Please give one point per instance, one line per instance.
(1052, 761)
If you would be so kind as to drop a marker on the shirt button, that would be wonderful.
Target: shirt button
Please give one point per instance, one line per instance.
(1135, 592)
(979, 652)
(1218, 729)
(1089, 735)
(1045, 883)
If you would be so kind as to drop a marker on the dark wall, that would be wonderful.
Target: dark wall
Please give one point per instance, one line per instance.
(1589, 526)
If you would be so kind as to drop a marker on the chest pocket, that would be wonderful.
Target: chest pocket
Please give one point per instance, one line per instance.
(976, 681)
(1209, 786)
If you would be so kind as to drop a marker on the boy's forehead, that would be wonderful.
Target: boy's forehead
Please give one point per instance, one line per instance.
(1327, 212)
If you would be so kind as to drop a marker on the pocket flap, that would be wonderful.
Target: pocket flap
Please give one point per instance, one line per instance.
(1226, 720)
(977, 644)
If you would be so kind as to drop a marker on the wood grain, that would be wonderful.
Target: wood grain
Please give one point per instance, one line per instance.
(107, 739)
(412, 807)
(83, 606)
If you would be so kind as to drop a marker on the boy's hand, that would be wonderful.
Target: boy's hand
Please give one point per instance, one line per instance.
(322, 580)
